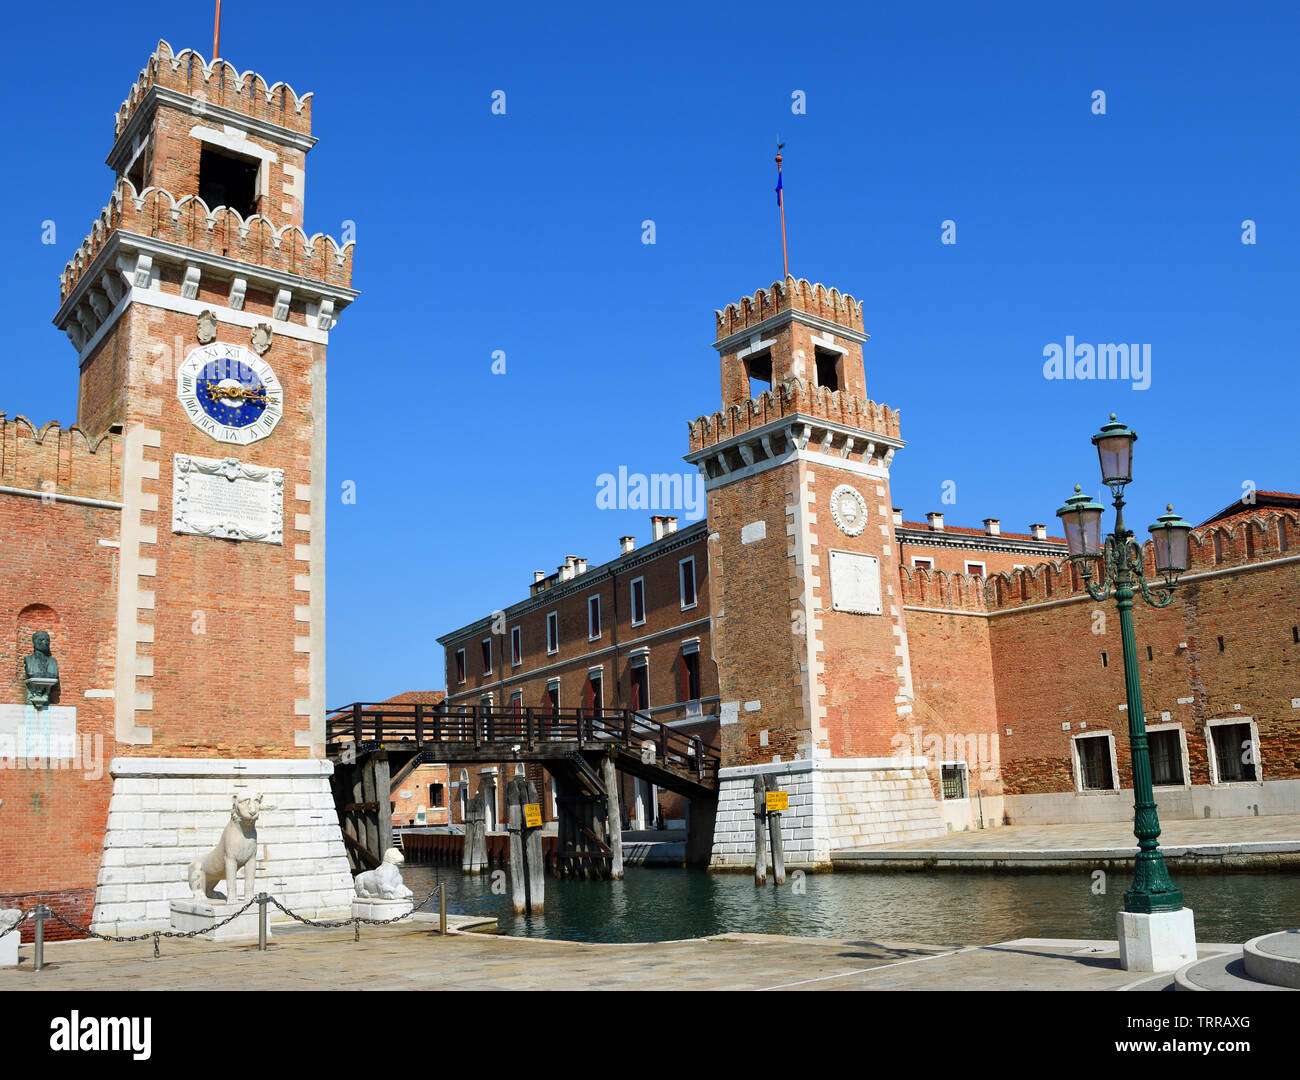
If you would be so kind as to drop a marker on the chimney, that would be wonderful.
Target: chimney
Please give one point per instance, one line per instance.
(1039, 531)
(935, 520)
(579, 565)
(626, 544)
(898, 515)
(657, 527)
(670, 525)
(539, 576)
(992, 526)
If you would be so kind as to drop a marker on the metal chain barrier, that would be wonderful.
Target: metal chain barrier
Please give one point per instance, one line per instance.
(353, 921)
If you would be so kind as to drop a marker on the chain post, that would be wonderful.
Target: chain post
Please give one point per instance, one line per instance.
(261, 922)
(442, 911)
(38, 941)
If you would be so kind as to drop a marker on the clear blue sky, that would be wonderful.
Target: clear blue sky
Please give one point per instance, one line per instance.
(523, 233)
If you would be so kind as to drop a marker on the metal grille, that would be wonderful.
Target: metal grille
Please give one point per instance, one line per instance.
(953, 778)
(1233, 753)
(1094, 763)
(1166, 757)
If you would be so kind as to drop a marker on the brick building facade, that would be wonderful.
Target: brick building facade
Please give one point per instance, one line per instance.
(902, 678)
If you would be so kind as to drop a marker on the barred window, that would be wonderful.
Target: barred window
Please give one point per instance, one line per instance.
(1094, 763)
(952, 778)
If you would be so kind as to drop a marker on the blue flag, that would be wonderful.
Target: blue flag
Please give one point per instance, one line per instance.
(778, 187)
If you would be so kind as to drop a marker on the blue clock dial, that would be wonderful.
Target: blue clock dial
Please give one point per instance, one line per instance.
(231, 393)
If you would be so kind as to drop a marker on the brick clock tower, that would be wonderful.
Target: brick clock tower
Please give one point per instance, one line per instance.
(809, 634)
(200, 312)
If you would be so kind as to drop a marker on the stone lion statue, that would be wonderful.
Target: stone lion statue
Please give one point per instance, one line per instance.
(385, 881)
(237, 848)
(9, 918)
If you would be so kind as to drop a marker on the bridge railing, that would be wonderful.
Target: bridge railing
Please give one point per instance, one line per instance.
(427, 725)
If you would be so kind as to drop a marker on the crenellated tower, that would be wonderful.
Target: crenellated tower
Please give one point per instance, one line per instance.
(809, 633)
(200, 311)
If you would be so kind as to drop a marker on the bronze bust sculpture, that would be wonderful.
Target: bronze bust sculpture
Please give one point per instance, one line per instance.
(40, 670)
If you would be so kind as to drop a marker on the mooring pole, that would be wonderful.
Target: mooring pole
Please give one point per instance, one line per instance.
(774, 828)
(760, 845)
(610, 776)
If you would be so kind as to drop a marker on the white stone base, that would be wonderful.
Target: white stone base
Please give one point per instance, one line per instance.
(9, 949)
(374, 907)
(166, 812)
(834, 804)
(1164, 941)
(190, 915)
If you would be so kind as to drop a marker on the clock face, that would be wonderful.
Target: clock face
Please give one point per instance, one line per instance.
(230, 393)
(849, 509)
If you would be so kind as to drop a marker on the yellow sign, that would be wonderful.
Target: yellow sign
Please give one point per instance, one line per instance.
(532, 815)
(777, 801)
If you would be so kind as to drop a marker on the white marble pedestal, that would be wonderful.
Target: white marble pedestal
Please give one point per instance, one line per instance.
(1164, 941)
(374, 907)
(9, 949)
(190, 915)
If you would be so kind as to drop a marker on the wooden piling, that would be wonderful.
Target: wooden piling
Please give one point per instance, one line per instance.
(774, 829)
(610, 777)
(760, 829)
(527, 881)
(475, 854)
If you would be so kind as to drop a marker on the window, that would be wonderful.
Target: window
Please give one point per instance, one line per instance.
(758, 369)
(593, 617)
(552, 699)
(640, 685)
(638, 601)
(975, 568)
(686, 575)
(552, 633)
(1094, 767)
(228, 180)
(919, 563)
(828, 368)
(435, 795)
(595, 690)
(1105, 660)
(1234, 753)
(691, 676)
(460, 665)
(1166, 748)
(487, 656)
(952, 779)
(516, 646)
(517, 702)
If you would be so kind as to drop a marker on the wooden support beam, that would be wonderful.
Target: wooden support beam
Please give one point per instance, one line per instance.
(760, 829)
(774, 830)
(612, 815)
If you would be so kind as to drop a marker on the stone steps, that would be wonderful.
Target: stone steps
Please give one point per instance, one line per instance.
(1274, 958)
(1223, 972)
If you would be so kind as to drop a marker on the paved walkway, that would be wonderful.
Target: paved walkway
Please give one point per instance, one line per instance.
(414, 958)
(1209, 843)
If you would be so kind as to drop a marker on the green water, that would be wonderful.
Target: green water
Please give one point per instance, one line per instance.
(934, 908)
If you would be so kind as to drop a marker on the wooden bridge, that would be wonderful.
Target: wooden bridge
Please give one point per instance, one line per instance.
(375, 746)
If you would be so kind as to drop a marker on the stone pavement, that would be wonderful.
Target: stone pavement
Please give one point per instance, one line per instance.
(1209, 843)
(412, 957)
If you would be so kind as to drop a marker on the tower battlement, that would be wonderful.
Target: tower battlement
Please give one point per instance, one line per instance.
(798, 294)
(217, 83)
(56, 460)
(222, 231)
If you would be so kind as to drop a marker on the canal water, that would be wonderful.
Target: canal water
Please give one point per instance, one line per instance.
(931, 908)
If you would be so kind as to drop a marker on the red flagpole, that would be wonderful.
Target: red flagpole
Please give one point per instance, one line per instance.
(216, 32)
(780, 199)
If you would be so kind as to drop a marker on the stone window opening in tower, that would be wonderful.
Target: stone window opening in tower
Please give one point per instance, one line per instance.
(138, 171)
(758, 369)
(226, 179)
(828, 366)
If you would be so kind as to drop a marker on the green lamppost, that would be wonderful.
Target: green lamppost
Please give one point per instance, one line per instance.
(1117, 563)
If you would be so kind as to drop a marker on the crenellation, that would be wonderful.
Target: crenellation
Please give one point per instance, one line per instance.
(799, 294)
(56, 460)
(189, 221)
(217, 83)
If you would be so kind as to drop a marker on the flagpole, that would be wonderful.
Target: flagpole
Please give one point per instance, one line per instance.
(780, 200)
(216, 32)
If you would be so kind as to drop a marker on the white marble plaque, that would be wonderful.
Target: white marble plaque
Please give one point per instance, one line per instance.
(29, 732)
(855, 583)
(227, 498)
